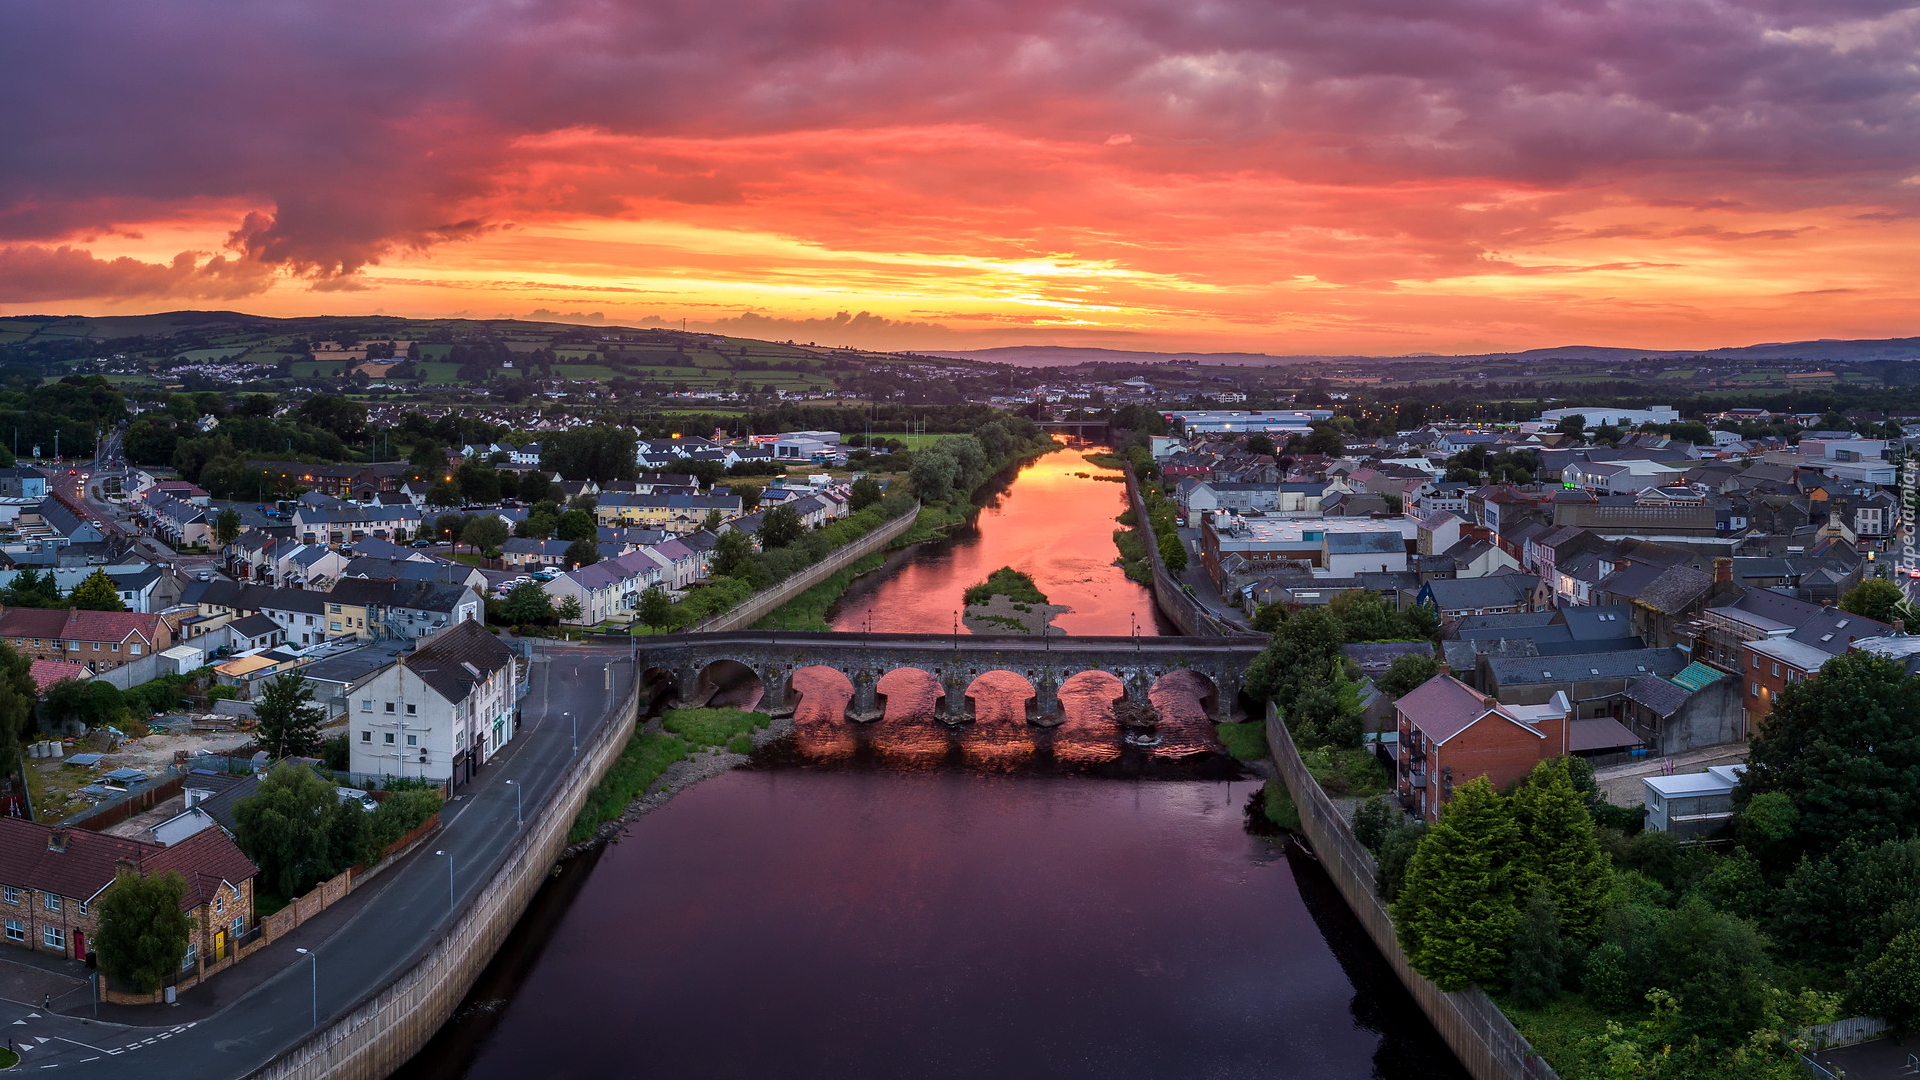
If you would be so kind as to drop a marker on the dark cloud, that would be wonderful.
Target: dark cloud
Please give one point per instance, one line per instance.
(30, 273)
(346, 131)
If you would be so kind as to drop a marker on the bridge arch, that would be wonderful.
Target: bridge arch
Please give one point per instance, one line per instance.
(1001, 681)
(729, 682)
(910, 686)
(1189, 681)
(818, 692)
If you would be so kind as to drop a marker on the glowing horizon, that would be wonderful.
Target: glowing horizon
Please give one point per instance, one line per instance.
(1280, 177)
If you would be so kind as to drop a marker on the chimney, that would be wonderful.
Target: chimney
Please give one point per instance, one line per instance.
(1723, 570)
(57, 840)
(1899, 626)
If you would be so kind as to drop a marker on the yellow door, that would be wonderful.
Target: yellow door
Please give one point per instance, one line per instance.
(219, 945)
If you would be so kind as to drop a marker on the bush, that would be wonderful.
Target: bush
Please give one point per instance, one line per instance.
(713, 727)
(1007, 582)
(1246, 741)
(401, 813)
(646, 756)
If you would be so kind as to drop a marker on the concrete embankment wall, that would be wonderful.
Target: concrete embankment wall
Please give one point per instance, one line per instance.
(379, 1034)
(1481, 1036)
(760, 604)
(1173, 601)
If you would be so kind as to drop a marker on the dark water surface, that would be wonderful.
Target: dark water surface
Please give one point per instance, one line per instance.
(894, 923)
(908, 899)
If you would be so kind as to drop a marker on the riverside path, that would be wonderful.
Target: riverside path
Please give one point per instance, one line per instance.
(411, 907)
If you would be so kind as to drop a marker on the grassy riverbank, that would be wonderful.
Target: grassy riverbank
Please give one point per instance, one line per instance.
(808, 611)
(648, 754)
(1246, 741)
(1133, 560)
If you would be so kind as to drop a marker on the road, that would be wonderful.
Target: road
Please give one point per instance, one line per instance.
(86, 485)
(410, 910)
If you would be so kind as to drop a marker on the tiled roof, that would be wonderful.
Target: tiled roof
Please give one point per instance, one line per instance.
(454, 660)
(47, 672)
(88, 861)
(110, 626)
(1443, 707)
(32, 622)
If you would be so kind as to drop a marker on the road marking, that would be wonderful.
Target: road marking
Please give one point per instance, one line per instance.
(77, 1042)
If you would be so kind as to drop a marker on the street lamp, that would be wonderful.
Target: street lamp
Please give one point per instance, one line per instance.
(449, 855)
(315, 957)
(518, 819)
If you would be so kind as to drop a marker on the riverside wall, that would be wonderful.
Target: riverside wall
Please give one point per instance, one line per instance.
(1173, 601)
(1481, 1036)
(385, 1029)
(760, 604)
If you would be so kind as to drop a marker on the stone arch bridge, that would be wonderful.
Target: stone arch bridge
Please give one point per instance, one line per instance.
(691, 668)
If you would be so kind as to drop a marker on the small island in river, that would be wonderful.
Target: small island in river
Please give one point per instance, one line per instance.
(1008, 602)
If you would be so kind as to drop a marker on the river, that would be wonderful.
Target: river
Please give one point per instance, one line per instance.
(904, 899)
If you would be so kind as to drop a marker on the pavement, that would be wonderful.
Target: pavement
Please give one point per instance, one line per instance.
(242, 1018)
(1621, 786)
(1881, 1059)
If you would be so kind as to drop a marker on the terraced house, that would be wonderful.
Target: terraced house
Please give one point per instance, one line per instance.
(52, 879)
(102, 640)
(441, 711)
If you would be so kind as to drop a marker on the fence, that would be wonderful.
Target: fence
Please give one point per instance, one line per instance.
(139, 798)
(378, 1034)
(134, 672)
(1484, 1040)
(757, 606)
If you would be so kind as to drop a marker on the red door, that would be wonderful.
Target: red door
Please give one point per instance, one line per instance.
(79, 945)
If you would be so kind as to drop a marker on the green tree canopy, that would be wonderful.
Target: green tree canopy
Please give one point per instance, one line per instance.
(284, 828)
(1407, 673)
(289, 721)
(143, 931)
(656, 608)
(1874, 598)
(1844, 746)
(17, 695)
(1458, 910)
(582, 552)
(733, 555)
(96, 592)
(779, 527)
(226, 526)
(864, 493)
(31, 588)
(484, 532)
(526, 603)
(576, 525)
(1562, 852)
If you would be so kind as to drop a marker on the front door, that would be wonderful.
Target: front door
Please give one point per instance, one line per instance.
(79, 945)
(219, 945)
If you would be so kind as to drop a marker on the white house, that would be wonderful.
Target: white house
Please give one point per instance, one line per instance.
(440, 712)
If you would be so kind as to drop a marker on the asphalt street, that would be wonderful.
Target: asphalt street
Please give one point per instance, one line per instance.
(406, 915)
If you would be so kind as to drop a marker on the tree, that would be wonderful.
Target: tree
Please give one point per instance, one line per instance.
(1259, 444)
(17, 695)
(749, 495)
(1457, 912)
(599, 454)
(289, 722)
(1408, 672)
(1563, 854)
(443, 493)
(447, 527)
(733, 555)
(91, 702)
(933, 473)
(525, 604)
(864, 493)
(534, 486)
(575, 525)
(1573, 427)
(779, 527)
(1889, 986)
(283, 827)
(1172, 551)
(484, 533)
(1538, 954)
(226, 526)
(96, 593)
(569, 610)
(712, 522)
(31, 589)
(143, 931)
(1875, 598)
(582, 552)
(656, 608)
(1844, 747)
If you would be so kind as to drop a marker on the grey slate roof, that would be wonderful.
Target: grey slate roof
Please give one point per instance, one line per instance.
(1578, 667)
(454, 661)
(1662, 696)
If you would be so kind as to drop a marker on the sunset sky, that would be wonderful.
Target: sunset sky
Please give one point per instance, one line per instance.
(1376, 176)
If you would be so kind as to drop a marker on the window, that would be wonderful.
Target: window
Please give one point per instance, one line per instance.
(54, 937)
(333, 626)
(113, 646)
(219, 905)
(10, 894)
(413, 710)
(389, 706)
(16, 930)
(238, 926)
(366, 736)
(333, 609)
(366, 704)
(1753, 689)
(193, 953)
(1776, 671)
(1756, 663)
(389, 738)
(413, 740)
(95, 644)
(51, 901)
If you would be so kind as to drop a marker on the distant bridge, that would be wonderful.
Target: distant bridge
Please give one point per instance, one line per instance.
(693, 667)
(1078, 425)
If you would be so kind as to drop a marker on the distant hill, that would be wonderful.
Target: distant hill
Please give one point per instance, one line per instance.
(1826, 349)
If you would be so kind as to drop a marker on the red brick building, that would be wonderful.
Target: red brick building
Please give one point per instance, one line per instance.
(52, 878)
(1451, 733)
(1768, 666)
(102, 640)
